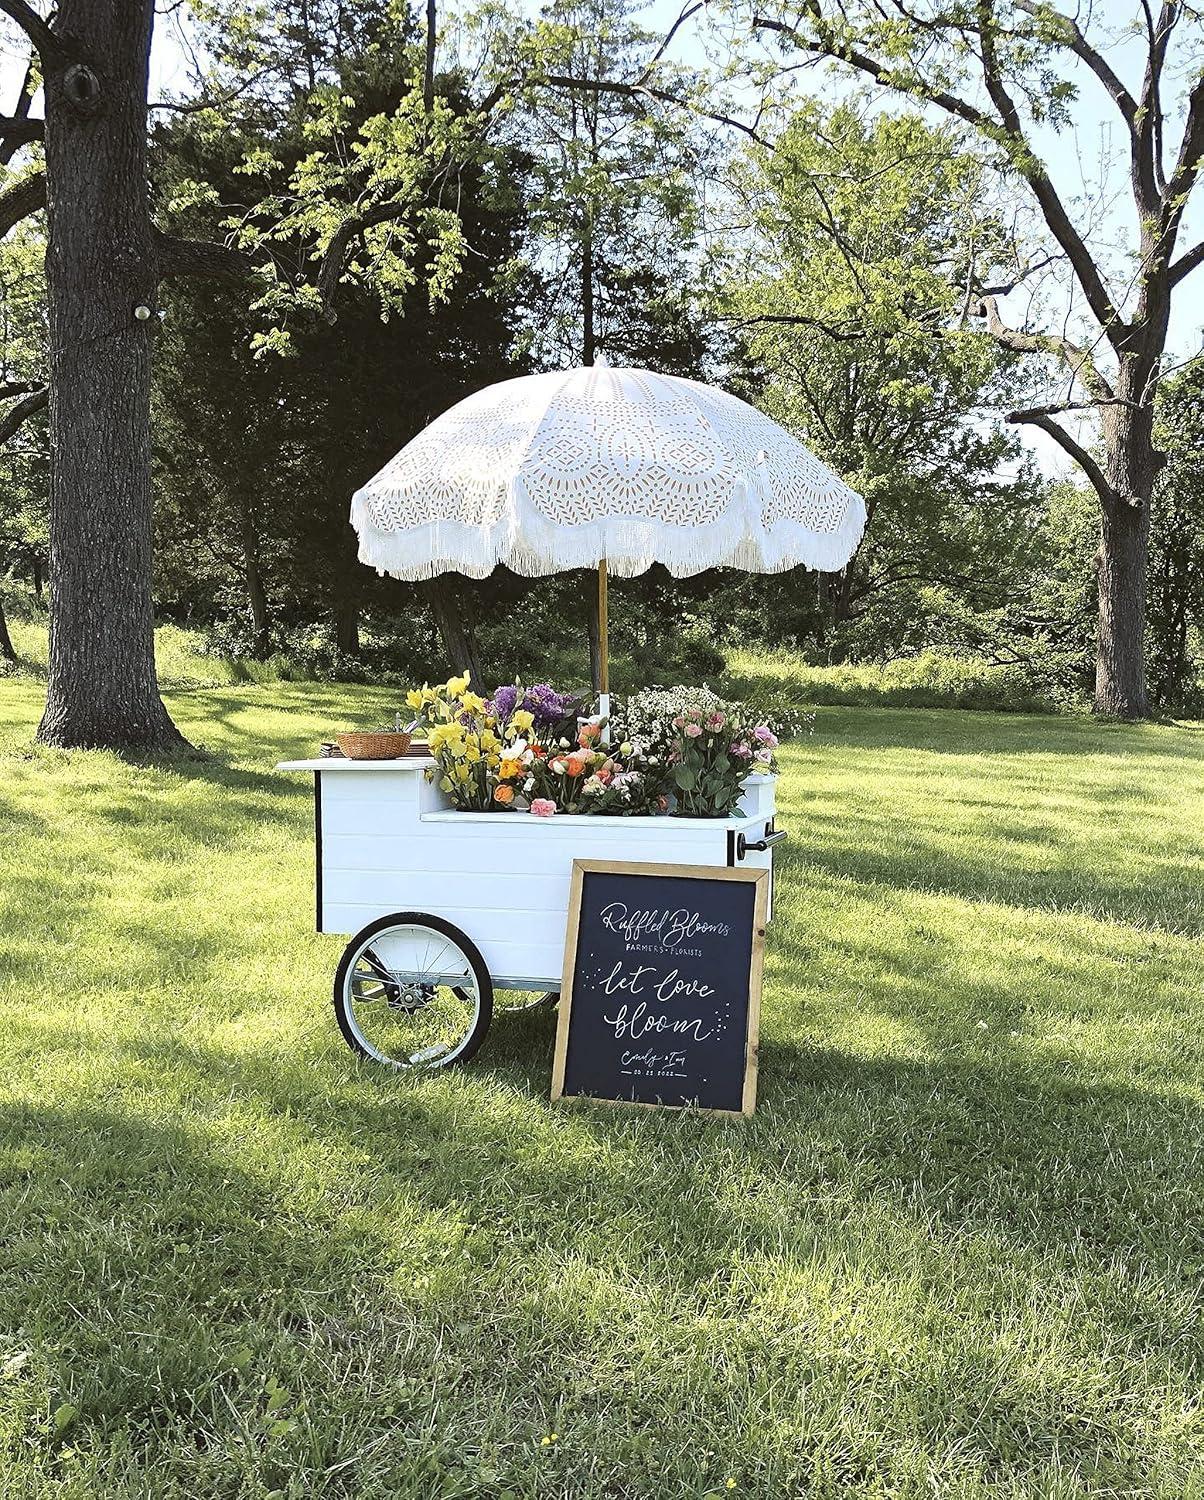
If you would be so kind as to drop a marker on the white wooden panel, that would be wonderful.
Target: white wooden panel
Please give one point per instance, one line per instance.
(759, 798)
(440, 891)
(539, 959)
(370, 786)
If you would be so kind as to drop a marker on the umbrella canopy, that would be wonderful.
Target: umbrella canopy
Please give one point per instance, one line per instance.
(599, 465)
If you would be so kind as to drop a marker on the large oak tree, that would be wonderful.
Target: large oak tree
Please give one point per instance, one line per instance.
(104, 262)
(1005, 69)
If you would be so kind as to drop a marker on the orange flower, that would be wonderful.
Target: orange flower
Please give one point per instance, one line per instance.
(588, 733)
(575, 764)
(503, 794)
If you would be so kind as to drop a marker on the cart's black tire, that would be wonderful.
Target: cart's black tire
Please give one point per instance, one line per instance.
(548, 1000)
(470, 951)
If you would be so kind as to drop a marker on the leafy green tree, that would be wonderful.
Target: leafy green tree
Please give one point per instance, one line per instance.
(862, 218)
(259, 455)
(612, 196)
(1004, 69)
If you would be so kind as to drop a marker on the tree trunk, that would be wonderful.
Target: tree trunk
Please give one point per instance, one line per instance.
(6, 640)
(1130, 464)
(347, 624)
(347, 594)
(100, 266)
(257, 599)
(587, 289)
(454, 626)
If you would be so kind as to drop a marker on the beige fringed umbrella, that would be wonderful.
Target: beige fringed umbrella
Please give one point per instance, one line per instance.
(607, 468)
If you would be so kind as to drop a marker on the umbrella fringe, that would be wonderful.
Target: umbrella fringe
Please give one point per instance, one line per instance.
(528, 544)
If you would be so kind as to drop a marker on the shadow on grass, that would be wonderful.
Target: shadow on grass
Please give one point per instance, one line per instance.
(371, 1220)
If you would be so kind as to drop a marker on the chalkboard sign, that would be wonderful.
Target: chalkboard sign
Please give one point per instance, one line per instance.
(662, 986)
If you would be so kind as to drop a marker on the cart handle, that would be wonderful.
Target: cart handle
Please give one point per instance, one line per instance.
(743, 847)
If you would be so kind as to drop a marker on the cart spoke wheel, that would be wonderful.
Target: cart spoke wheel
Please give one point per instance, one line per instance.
(511, 1002)
(412, 991)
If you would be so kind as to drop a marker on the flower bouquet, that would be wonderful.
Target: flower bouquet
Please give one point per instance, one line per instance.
(466, 743)
(699, 746)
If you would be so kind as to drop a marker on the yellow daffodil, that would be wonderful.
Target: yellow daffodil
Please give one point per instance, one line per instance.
(456, 686)
(522, 720)
(472, 752)
(463, 771)
(414, 698)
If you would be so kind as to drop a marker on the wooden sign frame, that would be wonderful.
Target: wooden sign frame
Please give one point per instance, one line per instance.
(759, 878)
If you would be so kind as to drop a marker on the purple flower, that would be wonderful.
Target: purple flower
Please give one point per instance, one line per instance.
(547, 706)
(765, 735)
(505, 700)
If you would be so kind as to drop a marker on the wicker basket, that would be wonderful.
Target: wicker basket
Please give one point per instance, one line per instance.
(373, 745)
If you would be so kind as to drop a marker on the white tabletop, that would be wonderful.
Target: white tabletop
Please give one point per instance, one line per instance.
(405, 764)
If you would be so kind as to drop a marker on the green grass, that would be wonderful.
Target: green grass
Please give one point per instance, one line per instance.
(958, 1251)
(181, 657)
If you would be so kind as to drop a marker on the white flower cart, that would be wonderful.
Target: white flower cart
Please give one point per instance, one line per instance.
(613, 468)
(454, 912)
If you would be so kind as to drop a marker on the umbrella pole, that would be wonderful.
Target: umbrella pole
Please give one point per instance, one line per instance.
(603, 653)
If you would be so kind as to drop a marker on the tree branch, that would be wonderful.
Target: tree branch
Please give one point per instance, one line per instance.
(1187, 263)
(428, 66)
(331, 267)
(10, 148)
(1034, 173)
(1029, 413)
(18, 414)
(1183, 178)
(184, 257)
(1002, 288)
(1099, 480)
(16, 130)
(11, 388)
(1005, 124)
(21, 199)
(1136, 117)
(54, 48)
(1078, 360)
(647, 91)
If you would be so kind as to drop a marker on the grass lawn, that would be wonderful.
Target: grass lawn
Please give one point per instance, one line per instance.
(958, 1252)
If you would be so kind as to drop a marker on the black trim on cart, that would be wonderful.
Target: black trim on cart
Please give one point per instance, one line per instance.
(318, 850)
(731, 846)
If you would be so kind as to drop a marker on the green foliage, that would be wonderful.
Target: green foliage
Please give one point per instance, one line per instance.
(953, 1253)
(24, 462)
(1176, 652)
(612, 193)
(847, 326)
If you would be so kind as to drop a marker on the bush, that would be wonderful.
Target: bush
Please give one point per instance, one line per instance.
(780, 684)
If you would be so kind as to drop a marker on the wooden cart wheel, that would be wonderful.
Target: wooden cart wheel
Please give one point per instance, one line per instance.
(412, 991)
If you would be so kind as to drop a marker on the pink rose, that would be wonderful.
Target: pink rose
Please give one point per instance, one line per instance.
(693, 730)
(765, 735)
(543, 807)
(716, 721)
(742, 752)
